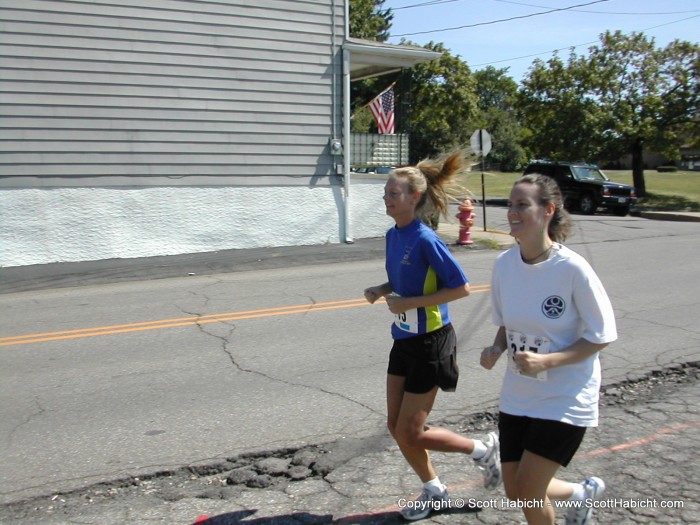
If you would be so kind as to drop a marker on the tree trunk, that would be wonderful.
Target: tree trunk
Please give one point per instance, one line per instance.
(638, 167)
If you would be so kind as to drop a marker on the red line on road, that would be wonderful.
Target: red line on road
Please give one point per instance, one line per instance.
(640, 442)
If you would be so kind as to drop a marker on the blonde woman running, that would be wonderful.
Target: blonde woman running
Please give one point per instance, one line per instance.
(423, 277)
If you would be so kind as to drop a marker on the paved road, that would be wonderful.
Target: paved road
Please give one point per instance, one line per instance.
(646, 452)
(145, 401)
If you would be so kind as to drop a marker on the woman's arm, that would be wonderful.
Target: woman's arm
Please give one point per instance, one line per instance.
(532, 363)
(490, 354)
(375, 292)
(399, 304)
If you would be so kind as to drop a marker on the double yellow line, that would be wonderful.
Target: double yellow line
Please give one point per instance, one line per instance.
(189, 321)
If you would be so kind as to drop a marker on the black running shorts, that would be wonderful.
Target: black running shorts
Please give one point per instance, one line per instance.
(426, 361)
(553, 440)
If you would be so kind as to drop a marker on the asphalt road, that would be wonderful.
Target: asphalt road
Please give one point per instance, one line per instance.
(124, 377)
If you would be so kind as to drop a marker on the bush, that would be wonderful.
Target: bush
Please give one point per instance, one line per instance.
(666, 169)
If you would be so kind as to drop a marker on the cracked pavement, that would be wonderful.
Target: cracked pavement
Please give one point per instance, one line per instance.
(645, 450)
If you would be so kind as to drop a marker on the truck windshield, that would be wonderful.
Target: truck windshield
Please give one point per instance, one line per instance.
(588, 173)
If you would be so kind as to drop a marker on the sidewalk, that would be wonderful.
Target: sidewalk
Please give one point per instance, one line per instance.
(57, 275)
(491, 238)
(60, 275)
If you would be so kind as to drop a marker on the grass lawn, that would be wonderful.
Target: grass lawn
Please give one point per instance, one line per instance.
(679, 191)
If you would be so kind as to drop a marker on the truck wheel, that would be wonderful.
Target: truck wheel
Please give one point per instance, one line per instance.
(587, 204)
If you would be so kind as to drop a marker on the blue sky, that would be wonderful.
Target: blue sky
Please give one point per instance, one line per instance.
(516, 43)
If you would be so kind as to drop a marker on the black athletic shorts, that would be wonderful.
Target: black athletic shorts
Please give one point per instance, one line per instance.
(553, 440)
(426, 361)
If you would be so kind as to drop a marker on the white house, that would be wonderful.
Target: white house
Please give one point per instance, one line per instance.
(136, 129)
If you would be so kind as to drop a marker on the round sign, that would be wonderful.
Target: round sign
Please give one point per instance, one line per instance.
(481, 142)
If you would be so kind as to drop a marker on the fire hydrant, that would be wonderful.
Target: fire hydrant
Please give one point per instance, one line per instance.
(466, 221)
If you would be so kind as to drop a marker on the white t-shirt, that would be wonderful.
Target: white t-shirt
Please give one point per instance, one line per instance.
(546, 307)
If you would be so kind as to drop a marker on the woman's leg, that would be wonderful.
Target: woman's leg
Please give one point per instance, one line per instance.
(407, 414)
(532, 479)
(419, 459)
(510, 476)
(561, 490)
(557, 489)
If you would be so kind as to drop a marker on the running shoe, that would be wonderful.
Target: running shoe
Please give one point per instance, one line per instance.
(594, 489)
(426, 503)
(490, 463)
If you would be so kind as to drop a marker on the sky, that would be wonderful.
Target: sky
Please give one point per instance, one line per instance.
(516, 43)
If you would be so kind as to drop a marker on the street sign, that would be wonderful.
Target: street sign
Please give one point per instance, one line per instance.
(481, 145)
(481, 142)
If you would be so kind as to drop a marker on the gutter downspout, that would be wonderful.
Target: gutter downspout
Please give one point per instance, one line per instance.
(346, 129)
(346, 144)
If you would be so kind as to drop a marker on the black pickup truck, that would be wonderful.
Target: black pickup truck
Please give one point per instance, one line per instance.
(585, 187)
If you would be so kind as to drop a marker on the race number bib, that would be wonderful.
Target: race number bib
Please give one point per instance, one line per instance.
(407, 321)
(518, 342)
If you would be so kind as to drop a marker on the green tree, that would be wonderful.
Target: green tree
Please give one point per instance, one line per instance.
(443, 104)
(558, 113)
(496, 93)
(369, 21)
(495, 88)
(625, 96)
(361, 120)
(506, 135)
(649, 97)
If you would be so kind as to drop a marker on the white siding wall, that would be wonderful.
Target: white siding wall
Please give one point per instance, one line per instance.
(172, 96)
(168, 88)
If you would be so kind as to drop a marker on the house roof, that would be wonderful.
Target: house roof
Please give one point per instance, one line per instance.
(371, 59)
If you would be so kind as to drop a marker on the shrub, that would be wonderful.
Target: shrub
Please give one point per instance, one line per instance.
(666, 169)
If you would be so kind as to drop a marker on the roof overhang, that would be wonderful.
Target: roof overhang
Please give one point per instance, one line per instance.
(372, 59)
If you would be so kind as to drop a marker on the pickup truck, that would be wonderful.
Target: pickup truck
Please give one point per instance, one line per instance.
(585, 187)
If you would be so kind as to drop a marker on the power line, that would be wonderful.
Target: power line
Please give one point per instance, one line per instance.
(434, 2)
(574, 45)
(438, 2)
(596, 12)
(501, 20)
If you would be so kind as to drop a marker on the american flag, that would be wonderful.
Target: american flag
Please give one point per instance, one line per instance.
(382, 107)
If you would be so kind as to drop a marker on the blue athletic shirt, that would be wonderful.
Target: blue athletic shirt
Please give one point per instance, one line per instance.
(419, 263)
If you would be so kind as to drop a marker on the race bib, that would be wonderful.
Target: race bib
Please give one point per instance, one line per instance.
(518, 342)
(407, 321)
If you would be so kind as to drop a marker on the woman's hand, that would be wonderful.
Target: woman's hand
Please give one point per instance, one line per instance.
(397, 304)
(489, 356)
(533, 363)
(530, 363)
(373, 293)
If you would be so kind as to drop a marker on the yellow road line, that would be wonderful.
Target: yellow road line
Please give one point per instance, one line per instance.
(192, 320)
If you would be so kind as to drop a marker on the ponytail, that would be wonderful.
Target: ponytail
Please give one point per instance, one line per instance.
(435, 179)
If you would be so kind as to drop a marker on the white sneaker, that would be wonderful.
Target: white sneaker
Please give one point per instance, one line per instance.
(490, 463)
(427, 502)
(594, 489)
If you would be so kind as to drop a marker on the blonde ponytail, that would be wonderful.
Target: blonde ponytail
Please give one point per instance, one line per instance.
(435, 179)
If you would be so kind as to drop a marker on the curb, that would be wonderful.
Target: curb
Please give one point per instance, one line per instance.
(668, 215)
(492, 238)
